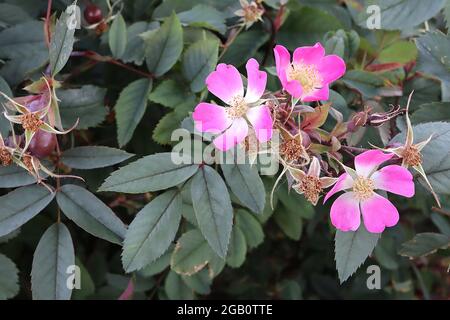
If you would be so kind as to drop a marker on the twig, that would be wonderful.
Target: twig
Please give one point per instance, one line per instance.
(441, 211)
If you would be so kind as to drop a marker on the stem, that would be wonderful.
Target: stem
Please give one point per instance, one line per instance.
(229, 41)
(47, 23)
(441, 211)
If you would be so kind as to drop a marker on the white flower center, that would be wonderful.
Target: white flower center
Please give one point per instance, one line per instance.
(238, 107)
(307, 75)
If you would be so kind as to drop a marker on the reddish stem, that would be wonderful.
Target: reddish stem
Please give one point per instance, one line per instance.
(47, 23)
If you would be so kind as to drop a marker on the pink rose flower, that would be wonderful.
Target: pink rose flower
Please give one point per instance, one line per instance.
(232, 121)
(377, 211)
(309, 74)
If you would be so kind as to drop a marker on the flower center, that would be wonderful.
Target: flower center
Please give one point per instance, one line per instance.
(411, 156)
(292, 149)
(307, 75)
(311, 188)
(363, 188)
(30, 162)
(252, 13)
(238, 108)
(31, 121)
(5, 157)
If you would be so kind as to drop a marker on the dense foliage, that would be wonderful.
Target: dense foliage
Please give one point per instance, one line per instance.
(93, 206)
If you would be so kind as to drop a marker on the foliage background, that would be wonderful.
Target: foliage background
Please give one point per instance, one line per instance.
(287, 253)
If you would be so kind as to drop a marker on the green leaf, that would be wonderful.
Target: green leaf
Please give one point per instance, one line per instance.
(90, 213)
(9, 278)
(213, 209)
(238, 248)
(117, 37)
(159, 265)
(433, 56)
(192, 253)
(351, 250)
(244, 47)
(25, 50)
(85, 103)
(366, 83)
(306, 26)
(91, 157)
(61, 44)
(424, 244)
(176, 288)
(447, 14)
(431, 112)
(12, 14)
(395, 14)
(199, 61)
(54, 254)
(250, 226)
(87, 286)
(399, 51)
(289, 221)
(151, 173)
(171, 94)
(164, 47)
(5, 127)
(135, 49)
(166, 125)
(296, 203)
(199, 282)
(246, 185)
(441, 223)
(152, 231)
(204, 16)
(14, 176)
(130, 108)
(21, 205)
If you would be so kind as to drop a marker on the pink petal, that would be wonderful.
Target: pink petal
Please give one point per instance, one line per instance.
(294, 88)
(210, 118)
(367, 162)
(344, 182)
(225, 83)
(234, 135)
(261, 121)
(309, 55)
(282, 60)
(345, 214)
(317, 95)
(331, 68)
(378, 213)
(256, 81)
(395, 179)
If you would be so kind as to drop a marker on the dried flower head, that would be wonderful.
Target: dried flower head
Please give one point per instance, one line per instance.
(250, 12)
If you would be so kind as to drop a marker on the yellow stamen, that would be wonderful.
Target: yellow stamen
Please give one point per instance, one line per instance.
(363, 188)
(238, 108)
(307, 75)
(411, 156)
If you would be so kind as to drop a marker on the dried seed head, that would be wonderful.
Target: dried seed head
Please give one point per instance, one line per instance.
(292, 149)
(250, 12)
(363, 188)
(31, 121)
(411, 156)
(311, 188)
(5, 157)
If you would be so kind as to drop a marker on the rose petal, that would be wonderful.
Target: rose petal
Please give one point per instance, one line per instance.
(225, 83)
(256, 81)
(317, 95)
(261, 121)
(367, 162)
(309, 55)
(345, 214)
(282, 61)
(395, 179)
(378, 213)
(234, 135)
(210, 118)
(331, 68)
(344, 182)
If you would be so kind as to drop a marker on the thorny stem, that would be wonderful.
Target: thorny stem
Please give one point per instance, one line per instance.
(99, 58)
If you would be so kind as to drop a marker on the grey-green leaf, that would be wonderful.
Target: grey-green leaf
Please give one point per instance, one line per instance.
(246, 184)
(151, 173)
(118, 37)
(253, 232)
(130, 107)
(238, 248)
(21, 205)
(91, 157)
(199, 61)
(176, 288)
(351, 250)
(164, 47)
(90, 213)
(424, 244)
(152, 231)
(61, 43)
(213, 210)
(9, 278)
(14, 176)
(54, 254)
